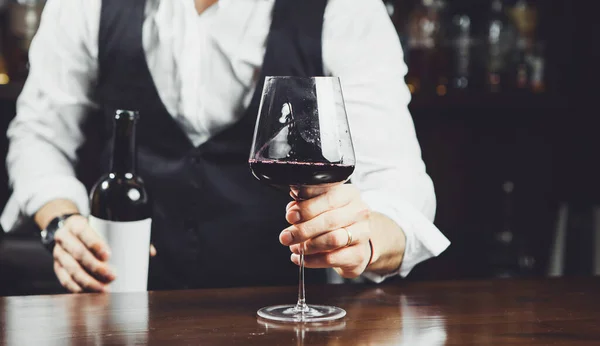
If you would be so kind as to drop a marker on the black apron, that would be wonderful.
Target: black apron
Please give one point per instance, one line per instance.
(214, 224)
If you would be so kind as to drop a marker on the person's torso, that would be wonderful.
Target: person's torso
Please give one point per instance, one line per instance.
(206, 66)
(214, 224)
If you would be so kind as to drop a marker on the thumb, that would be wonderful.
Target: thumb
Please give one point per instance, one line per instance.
(152, 250)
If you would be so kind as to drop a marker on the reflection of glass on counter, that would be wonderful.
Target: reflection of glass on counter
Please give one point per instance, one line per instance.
(376, 318)
(300, 330)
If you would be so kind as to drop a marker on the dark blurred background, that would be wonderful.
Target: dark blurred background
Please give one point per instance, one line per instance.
(503, 107)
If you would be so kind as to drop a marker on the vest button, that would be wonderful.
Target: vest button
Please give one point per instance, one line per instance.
(196, 160)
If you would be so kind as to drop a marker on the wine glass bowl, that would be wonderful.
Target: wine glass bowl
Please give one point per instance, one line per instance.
(302, 136)
(302, 142)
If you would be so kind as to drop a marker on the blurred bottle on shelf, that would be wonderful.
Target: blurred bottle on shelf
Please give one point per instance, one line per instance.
(452, 49)
(503, 254)
(527, 57)
(537, 61)
(501, 38)
(462, 43)
(425, 52)
(23, 22)
(4, 78)
(522, 73)
(509, 250)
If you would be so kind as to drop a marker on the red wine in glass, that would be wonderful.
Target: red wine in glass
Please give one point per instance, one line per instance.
(298, 174)
(302, 142)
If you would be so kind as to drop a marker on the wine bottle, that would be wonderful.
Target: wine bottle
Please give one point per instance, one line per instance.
(121, 209)
(503, 252)
(461, 44)
(500, 42)
(23, 22)
(524, 15)
(4, 76)
(424, 47)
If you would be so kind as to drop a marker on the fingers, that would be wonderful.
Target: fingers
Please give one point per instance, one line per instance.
(332, 229)
(76, 272)
(77, 250)
(349, 262)
(80, 227)
(152, 250)
(308, 192)
(290, 205)
(65, 279)
(333, 240)
(325, 223)
(334, 198)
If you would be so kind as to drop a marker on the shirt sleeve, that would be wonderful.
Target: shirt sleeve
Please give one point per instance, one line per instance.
(361, 46)
(47, 130)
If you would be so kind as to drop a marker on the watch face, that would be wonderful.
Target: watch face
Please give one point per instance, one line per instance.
(47, 237)
(48, 234)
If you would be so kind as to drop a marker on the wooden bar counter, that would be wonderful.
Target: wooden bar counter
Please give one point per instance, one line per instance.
(499, 312)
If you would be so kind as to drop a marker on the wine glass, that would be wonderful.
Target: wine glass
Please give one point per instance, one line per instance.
(302, 142)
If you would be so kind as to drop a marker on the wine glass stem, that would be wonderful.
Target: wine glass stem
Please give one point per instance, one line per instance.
(301, 305)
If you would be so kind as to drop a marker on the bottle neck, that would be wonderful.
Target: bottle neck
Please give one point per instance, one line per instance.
(508, 188)
(497, 6)
(124, 149)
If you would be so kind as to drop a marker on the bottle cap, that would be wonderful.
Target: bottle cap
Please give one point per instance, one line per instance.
(126, 114)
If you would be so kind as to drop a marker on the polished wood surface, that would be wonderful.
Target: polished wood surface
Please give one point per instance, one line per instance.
(502, 312)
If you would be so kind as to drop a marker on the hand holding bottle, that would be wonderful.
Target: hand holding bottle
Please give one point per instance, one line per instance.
(81, 257)
(120, 221)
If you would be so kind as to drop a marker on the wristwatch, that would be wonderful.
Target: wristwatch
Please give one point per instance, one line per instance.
(47, 235)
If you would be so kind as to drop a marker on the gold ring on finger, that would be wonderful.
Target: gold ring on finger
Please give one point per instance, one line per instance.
(349, 237)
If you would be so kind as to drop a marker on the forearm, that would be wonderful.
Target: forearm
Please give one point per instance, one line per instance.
(47, 131)
(53, 209)
(389, 243)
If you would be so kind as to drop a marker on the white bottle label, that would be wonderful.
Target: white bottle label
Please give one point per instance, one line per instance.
(129, 244)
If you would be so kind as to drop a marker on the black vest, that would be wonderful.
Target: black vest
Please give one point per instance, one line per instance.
(214, 224)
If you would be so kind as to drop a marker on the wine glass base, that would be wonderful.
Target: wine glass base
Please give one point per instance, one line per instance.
(311, 313)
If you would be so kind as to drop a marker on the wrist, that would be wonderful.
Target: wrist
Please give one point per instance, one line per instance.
(53, 209)
(387, 243)
(47, 234)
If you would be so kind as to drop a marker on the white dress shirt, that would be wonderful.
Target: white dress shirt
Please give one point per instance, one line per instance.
(205, 69)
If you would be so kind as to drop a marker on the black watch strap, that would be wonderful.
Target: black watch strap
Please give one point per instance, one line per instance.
(47, 234)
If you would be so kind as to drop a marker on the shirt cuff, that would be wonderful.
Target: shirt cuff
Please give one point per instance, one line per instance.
(29, 197)
(423, 239)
